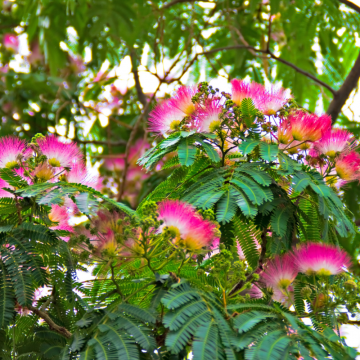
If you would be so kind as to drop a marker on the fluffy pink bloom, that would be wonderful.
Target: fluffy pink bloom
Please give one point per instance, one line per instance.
(347, 166)
(333, 142)
(182, 99)
(208, 118)
(186, 225)
(322, 259)
(11, 149)
(60, 215)
(59, 154)
(165, 118)
(80, 175)
(279, 273)
(114, 164)
(269, 101)
(4, 193)
(309, 127)
(11, 42)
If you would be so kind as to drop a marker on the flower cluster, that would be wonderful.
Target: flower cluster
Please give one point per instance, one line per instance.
(269, 111)
(46, 159)
(309, 259)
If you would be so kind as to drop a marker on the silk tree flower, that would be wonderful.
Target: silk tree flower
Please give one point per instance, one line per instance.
(279, 273)
(334, 142)
(11, 150)
(108, 221)
(308, 127)
(347, 166)
(60, 215)
(59, 154)
(165, 118)
(269, 101)
(187, 227)
(4, 193)
(114, 163)
(11, 42)
(320, 259)
(43, 172)
(208, 119)
(80, 175)
(182, 100)
(283, 135)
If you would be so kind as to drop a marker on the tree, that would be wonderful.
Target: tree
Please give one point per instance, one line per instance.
(247, 224)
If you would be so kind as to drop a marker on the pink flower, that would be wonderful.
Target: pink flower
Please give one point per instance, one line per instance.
(347, 166)
(165, 118)
(322, 259)
(43, 172)
(36, 55)
(59, 154)
(11, 150)
(60, 215)
(333, 142)
(182, 99)
(80, 175)
(186, 226)
(308, 127)
(4, 193)
(11, 42)
(269, 101)
(114, 164)
(284, 132)
(279, 273)
(208, 119)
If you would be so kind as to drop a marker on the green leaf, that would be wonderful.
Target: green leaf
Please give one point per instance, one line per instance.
(82, 202)
(209, 149)
(247, 146)
(321, 189)
(248, 111)
(206, 201)
(171, 140)
(301, 181)
(287, 164)
(244, 203)
(279, 220)
(226, 207)
(7, 302)
(261, 177)
(207, 345)
(254, 191)
(186, 152)
(246, 234)
(268, 151)
(244, 322)
(12, 179)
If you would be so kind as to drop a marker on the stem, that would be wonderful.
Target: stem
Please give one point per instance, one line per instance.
(118, 290)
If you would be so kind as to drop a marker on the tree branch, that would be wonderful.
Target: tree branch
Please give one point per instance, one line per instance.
(174, 2)
(351, 5)
(59, 329)
(99, 142)
(297, 69)
(345, 90)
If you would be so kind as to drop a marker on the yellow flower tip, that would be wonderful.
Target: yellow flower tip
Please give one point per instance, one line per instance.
(324, 272)
(175, 125)
(11, 164)
(284, 284)
(214, 125)
(54, 162)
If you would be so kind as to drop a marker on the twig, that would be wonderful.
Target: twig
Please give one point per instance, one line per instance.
(99, 142)
(174, 2)
(59, 329)
(118, 290)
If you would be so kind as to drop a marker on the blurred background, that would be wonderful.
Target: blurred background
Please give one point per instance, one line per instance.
(91, 71)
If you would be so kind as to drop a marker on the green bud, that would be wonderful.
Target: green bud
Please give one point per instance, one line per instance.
(350, 285)
(306, 292)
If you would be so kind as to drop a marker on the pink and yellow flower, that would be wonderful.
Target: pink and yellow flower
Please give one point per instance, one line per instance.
(60, 215)
(11, 150)
(80, 175)
(165, 118)
(268, 101)
(4, 193)
(59, 154)
(186, 226)
(182, 100)
(208, 119)
(308, 127)
(321, 259)
(334, 142)
(11, 42)
(279, 273)
(347, 166)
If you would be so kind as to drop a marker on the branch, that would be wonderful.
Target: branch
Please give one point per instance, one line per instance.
(99, 142)
(345, 90)
(174, 2)
(301, 71)
(351, 5)
(139, 90)
(59, 329)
